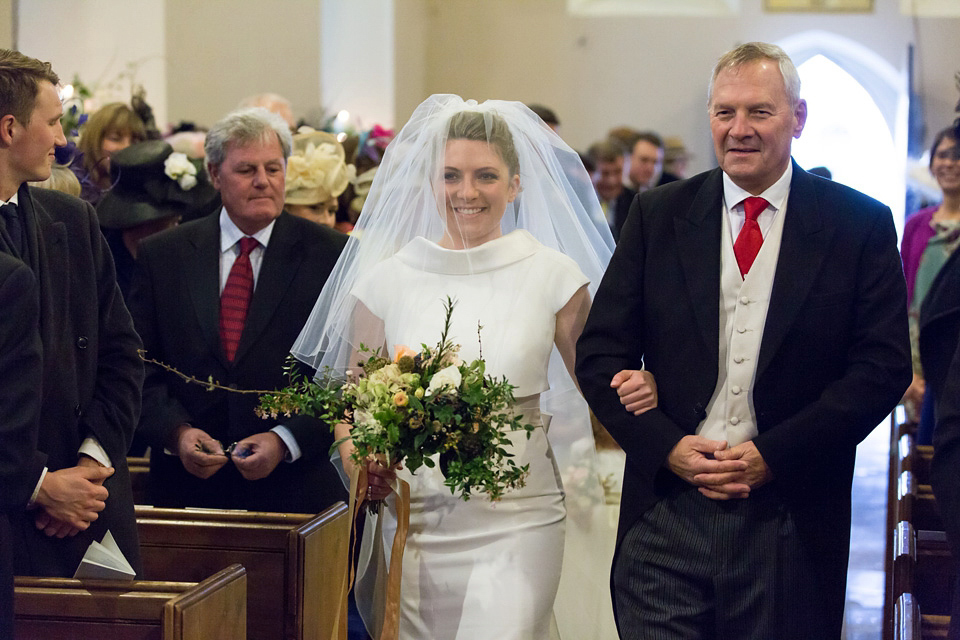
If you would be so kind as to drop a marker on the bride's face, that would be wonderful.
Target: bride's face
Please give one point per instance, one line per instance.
(478, 188)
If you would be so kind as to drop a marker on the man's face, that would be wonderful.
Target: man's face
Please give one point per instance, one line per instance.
(645, 163)
(753, 123)
(251, 182)
(608, 179)
(33, 143)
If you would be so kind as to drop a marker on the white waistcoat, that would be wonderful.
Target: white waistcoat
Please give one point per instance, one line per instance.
(743, 312)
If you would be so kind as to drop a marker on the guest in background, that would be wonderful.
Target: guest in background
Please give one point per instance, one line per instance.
(675, 157)
(316, 176)
(224, 297)
(272, 102)
(646, 163)
(546, 114)
(823, 172)
(61, 179)
(113, 127)
(929, 237)
(608, 158)
(20, 384)
(154, 188)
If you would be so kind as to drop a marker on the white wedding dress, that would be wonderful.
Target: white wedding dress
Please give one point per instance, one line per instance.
(480, 570)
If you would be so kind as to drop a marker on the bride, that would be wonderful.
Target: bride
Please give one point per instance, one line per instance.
(485, 204)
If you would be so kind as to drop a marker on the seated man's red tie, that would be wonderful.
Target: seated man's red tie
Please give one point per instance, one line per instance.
(750, 239)
(235, 299)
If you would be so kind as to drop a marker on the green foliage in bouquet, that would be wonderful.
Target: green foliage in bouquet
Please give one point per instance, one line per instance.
(418, 407)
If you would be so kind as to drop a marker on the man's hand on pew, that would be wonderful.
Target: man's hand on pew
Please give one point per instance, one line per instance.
(200, 454)
(258, 455)
(71, 499)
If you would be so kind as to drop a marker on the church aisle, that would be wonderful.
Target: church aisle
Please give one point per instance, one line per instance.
(864, 609)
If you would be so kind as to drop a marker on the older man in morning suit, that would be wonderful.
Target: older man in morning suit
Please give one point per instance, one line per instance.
(225, 297)
(769, 305)
(91, 373)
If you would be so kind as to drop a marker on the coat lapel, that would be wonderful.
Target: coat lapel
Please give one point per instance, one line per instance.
(47, 253)
(277, 271)
(803, 248)
(201, 260)
(698, 242)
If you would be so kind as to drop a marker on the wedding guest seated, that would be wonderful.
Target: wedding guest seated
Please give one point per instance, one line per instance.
(111, 128)
(272, 102)
(223, 298)
(61, 179)
(676, 157)
(153, 188)
(614, 198)
(316, 176)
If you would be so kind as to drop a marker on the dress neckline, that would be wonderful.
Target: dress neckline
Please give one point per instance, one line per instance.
(427, 255)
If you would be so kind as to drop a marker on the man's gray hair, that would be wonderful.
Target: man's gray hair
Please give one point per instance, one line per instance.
(242, 127)
(752, 52)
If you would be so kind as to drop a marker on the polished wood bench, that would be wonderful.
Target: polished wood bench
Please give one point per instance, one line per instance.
(68, 609)
(294, 562)
(139, 469)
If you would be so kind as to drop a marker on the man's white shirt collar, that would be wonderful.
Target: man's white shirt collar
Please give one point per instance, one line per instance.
(230, 233)
(776, 194)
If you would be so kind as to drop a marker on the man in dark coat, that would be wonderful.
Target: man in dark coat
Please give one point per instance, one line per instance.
(940, 357)
(183, 293)
(774, 356)
(91, 371)
(20, 371)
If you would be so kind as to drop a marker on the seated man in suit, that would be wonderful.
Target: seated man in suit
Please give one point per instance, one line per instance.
(608, 156)
(646, 163)
(224, 297)
(19, 411)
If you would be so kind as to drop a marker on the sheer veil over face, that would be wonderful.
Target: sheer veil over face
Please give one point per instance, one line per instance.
(549, 194)
(460, 175)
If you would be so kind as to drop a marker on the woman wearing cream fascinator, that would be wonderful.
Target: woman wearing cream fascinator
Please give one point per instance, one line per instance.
(317, 173)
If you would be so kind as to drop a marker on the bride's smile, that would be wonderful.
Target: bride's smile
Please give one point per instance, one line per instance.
(478, 187)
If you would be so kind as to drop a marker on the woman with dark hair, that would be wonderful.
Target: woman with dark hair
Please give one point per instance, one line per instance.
(929, 237)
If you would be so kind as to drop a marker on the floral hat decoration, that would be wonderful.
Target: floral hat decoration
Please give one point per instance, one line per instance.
(152, 181)
(316, 170)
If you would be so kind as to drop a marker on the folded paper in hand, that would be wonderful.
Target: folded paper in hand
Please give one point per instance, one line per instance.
(104, 560)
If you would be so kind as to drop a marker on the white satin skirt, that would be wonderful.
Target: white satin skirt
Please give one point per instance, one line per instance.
(476, 570)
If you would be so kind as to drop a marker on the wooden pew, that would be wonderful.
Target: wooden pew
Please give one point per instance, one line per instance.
(295, 562)
(917, 505)
(899, 427)
(923, 568)
(67, 609)
(139, 475)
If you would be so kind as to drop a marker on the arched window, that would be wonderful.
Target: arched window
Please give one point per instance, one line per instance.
(856, 124)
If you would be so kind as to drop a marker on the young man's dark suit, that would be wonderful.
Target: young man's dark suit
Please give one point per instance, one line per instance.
(175, 302)
(91, 373)
(940, 357)
(834, 357)
(20, 373)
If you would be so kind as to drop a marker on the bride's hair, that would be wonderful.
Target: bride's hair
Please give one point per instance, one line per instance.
(486, 127)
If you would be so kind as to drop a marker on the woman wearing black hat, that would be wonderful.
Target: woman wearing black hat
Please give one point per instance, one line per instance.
(154, 187)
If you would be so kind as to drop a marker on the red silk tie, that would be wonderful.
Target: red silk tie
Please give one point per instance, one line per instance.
(235, 299)
(750, 239)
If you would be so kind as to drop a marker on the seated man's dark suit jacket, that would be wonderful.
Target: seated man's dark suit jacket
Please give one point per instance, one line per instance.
(20, 379)
(175, 303)
(91, 374)
(834, 358)
(940, 357)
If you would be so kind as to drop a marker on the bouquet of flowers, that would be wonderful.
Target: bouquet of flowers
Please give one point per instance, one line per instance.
(420, 405)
